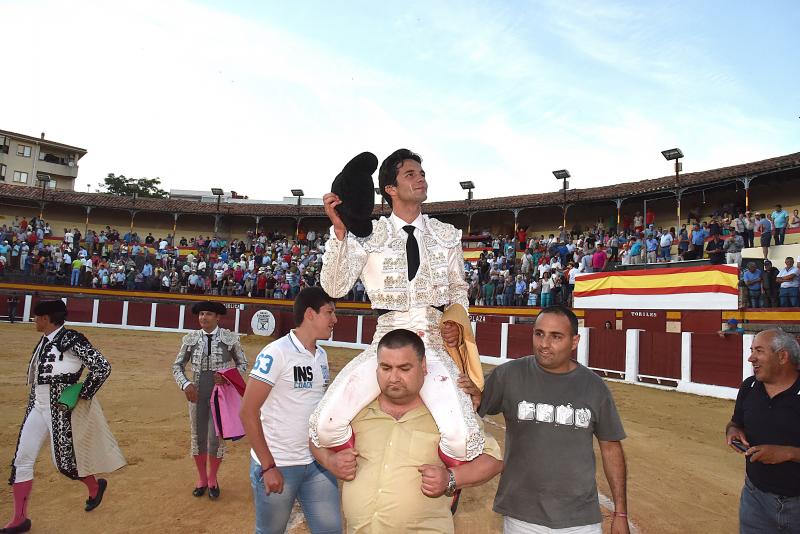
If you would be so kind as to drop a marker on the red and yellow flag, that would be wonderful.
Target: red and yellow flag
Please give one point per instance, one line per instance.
(710, 287)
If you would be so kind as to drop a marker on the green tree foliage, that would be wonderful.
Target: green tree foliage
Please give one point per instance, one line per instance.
(124, 186)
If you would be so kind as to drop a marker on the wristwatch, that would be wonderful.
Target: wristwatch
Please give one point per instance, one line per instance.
(451, 484)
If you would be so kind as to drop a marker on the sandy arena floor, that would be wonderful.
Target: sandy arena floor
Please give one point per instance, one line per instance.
(682, 478)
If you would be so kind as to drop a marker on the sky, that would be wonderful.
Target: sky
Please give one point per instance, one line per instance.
(263, 97)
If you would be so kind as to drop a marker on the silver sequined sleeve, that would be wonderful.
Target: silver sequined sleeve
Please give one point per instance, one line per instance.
(455, 275)
(341, 264)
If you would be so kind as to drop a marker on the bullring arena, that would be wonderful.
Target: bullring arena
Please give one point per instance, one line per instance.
(672, 376)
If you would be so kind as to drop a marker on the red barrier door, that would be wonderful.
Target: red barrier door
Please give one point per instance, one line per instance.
(660, 354)
(717, 359)
(607, 349)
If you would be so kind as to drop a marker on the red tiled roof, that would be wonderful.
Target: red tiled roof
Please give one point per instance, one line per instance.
(593, 194)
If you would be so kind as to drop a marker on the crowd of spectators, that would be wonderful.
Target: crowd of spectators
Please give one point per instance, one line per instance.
(266, 265)
(515, 270)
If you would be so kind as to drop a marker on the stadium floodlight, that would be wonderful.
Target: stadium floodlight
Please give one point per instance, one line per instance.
(468, 185)
(675, 154)
(217, 191)
(299, 194)
(563, 174)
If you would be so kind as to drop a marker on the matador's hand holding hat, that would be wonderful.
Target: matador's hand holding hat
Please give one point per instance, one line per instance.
(356, 190)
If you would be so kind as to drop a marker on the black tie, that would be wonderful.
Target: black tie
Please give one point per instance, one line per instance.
(412, 252)
(208, 337)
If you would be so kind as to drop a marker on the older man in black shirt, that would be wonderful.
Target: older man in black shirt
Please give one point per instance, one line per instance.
(766, 427)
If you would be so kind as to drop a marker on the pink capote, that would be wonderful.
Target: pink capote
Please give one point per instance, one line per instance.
(226, 400)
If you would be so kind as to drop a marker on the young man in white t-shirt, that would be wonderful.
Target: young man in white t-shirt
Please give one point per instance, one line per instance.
(287, 382)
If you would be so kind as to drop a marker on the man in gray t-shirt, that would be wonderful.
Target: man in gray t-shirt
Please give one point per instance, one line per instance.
(553, 406)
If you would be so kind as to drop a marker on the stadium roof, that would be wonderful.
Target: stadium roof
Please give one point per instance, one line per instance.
(593, 194)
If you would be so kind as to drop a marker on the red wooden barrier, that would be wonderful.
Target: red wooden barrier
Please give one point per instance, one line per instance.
(660, 354)
(139, 313)
(701, 321)
(520, 340)
(368, 326)
(167, 316)
(345, 328)
(487, 337)
(607, 349)
(597, 318)
(650, 320)
(285, 322)
(717, 360)
(80, 310)
(109, 312)
(245, 316)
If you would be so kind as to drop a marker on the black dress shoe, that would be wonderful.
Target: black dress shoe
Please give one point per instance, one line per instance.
(25, 526)
(199, 492)
(213, 492)
(93, 503)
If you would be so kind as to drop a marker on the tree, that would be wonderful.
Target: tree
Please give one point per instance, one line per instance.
(124, 186)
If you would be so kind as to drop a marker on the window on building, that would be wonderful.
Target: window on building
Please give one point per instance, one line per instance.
(2, 172)
(24, 151)
(21, 177)
(3, 144)
(51, 184)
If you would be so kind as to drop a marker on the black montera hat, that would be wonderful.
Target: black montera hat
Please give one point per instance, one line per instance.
(46, 307)
(207, 305)
(356, 190)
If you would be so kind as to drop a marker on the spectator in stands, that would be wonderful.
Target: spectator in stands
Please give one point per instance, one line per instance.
(698, 237)
(599, 259)
(715, 250)
(751, 277)
(789, 281)
(635, 251)
(651, 243)
(733, 247)
(731, 327)
(547, 285)
(489, 292)
(533, 292)
(665, 243)
(765, 226)
(780, 219)
(638, 222)
(794, 221)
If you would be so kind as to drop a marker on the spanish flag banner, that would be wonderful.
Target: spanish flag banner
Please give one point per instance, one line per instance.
(712, 287)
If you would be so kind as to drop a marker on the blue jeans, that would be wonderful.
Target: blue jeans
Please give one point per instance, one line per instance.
(754, 296)
(75, 277)
(315, 487)
(780, 235)
(665, 253)
(766, 513)
(788, 297)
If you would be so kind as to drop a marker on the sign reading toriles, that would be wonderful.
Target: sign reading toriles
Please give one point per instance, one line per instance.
(652, 320)
(263, 323)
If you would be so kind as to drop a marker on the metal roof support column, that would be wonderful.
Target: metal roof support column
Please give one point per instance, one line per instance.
(86, 228)
(618, 202)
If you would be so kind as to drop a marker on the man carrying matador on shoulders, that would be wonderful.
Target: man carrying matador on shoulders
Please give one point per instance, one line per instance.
(412, 267)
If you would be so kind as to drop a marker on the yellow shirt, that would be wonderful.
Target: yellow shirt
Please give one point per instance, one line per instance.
(386, 496)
